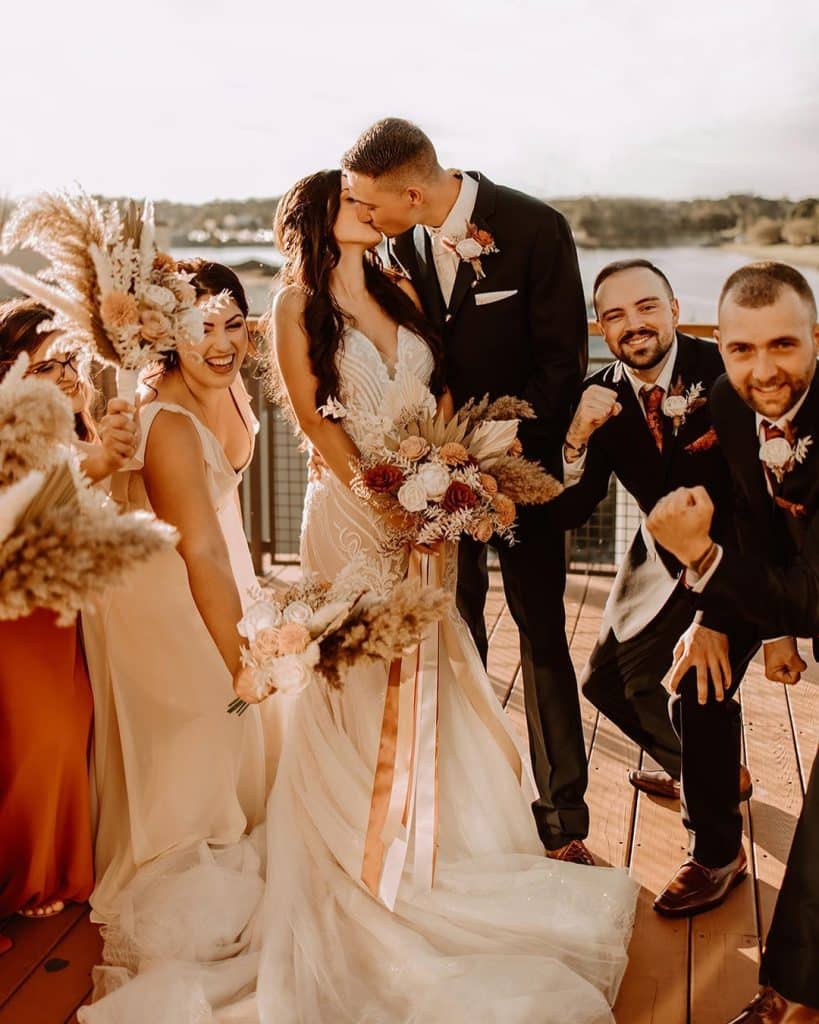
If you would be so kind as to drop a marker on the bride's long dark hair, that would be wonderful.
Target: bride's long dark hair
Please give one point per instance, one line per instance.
(304, 224)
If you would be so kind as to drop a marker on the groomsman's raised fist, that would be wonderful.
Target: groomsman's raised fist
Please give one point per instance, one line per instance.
(597, 406)
(782, 661)
(681, 523)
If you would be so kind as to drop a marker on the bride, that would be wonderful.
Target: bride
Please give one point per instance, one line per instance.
(456, 917)
(497, 932)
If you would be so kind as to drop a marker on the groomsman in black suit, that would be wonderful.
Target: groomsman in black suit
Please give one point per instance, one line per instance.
(497, 273)
(766, 413)
(646, 418)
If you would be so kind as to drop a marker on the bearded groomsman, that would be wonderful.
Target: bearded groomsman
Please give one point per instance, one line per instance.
(497, 274)
(646, 418)
(766, 414)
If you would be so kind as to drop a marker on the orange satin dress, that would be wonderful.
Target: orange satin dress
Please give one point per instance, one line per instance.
(46, 712)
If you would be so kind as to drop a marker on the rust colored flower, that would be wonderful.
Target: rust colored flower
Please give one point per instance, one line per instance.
(293, 638)
(453, 454)
(489, 484)
(515, 449)
(164, 263)
(383, 478)
(505, 508)
(483, 238)
(459, 496)
(119, 309)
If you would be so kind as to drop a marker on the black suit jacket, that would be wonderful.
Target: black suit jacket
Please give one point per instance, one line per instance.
(773, 579)
(533, 343)
(625, 447)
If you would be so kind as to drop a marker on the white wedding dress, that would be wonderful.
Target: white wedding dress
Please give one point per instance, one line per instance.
(503, 934)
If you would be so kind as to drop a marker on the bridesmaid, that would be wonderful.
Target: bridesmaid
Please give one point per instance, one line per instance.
(45, 695)
(171, 767)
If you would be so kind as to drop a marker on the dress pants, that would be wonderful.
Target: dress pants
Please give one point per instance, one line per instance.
(791, 960)
(534, 580)
(624, 680)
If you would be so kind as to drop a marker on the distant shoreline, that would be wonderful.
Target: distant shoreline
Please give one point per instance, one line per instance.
(799, 255)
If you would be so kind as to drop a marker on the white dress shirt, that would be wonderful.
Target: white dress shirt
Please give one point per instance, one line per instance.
(573, 471)
(453, 227)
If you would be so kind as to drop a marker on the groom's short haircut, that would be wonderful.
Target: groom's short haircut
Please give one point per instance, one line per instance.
(619, 265)
(759, 284)
(392, 148)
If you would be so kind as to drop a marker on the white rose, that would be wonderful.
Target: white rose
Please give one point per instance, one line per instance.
(260, 615)
(412, 495)
(469, 249)
(776, 453)
(298, 611)
(435, 479)
(290, 674)
(675, 405)
(160, 298)
(191, 325)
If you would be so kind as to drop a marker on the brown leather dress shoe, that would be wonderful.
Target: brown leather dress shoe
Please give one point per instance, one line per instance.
(575, 852)
(769, 1007)
(659, 783)
(696, 888)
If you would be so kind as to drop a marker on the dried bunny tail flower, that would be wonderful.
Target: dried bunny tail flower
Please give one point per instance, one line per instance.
(36, 424)
(525, 482)
(384, 630)
(60, 559)
(507, 407)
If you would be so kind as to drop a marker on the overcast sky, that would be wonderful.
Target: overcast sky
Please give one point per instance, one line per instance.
(206, 98)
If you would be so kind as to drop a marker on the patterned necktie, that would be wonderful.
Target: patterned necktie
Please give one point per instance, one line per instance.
(652, 400)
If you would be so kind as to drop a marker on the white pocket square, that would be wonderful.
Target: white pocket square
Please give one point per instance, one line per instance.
(484, 298)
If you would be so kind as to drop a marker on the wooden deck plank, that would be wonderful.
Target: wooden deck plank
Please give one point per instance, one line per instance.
(33, 942)
(51, 996)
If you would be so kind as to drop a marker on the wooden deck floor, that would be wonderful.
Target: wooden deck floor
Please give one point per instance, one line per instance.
(698, 972)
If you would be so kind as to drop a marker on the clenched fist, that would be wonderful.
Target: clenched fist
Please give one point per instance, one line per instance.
(782, 661)
(681, 523)
(597, 406)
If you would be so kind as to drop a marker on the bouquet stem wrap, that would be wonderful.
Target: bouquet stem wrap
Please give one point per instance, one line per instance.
(404, 802)
(127, 382)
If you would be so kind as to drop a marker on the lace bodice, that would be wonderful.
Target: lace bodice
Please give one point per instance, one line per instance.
(365, 379)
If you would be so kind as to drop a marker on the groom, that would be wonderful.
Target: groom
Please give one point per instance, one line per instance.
(497, 274)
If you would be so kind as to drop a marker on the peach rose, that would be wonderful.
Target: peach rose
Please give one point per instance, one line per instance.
(505, 508)
(515, 449)
(482, 530)
(453, 454)
(413, 448)
(293, 638)
(119, 309)
(266, 644)
(155, 325)
(489, 484)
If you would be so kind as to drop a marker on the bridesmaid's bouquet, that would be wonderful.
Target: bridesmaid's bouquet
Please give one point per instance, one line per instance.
(318, 629)
(466, 475)
(110, 288)
(60, 538)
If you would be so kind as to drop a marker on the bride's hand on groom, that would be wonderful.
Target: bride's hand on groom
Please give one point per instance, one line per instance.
(706, 651)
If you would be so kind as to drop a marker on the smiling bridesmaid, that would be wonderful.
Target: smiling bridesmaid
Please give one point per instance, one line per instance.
(171, 767)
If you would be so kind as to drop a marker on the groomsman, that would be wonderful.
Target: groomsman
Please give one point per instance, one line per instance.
(646, 418)
(497, 274)
(767, 417)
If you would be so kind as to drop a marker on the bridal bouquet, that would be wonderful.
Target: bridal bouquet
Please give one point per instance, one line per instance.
(60, 538)
(317, 629)
(111, 290)
(448, 478)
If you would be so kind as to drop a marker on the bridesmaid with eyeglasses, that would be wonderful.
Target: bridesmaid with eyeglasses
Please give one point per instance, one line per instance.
(45, 695)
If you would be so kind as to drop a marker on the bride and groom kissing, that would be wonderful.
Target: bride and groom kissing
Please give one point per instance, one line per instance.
(488, 301)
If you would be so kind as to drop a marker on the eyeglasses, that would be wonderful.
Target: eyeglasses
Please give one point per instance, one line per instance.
(49, 367)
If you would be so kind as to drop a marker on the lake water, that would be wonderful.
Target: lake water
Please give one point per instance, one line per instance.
(695, 273)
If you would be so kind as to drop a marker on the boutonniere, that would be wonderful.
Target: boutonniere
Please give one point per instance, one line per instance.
(781, 454)
(474, 244)
(679, 402)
